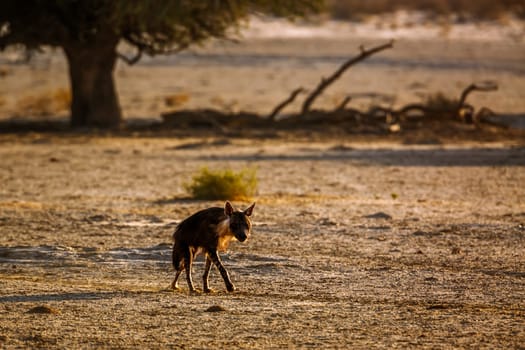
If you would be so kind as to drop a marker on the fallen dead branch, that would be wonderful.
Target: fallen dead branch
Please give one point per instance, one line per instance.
(325, 82)
(285, 103)
(485, 86)
(377, 119)
(343, 104)
(456, 110)
(466, 112)
(459, 110)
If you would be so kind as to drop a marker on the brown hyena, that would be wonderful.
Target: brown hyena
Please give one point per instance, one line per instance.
(208, 231)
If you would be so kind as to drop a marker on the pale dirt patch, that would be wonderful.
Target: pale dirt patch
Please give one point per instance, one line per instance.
(86, 227)
(86, 221)
(257, 74)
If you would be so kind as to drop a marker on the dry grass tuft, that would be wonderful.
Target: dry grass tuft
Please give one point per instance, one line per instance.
(440, 102)
(4, 71)
(176, 100)
(223, 184)
(44, 104)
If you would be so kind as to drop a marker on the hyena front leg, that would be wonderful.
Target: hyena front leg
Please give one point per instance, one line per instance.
(217, 261)
(207, 268)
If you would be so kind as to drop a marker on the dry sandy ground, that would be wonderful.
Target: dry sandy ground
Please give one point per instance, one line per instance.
(86, 224)
(256, 75)
(86, 221)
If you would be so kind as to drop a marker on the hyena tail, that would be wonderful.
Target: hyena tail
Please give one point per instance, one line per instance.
(177, 259)
(174, 260)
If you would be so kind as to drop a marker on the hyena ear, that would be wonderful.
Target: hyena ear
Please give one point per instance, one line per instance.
(248, 212)
(228, 209)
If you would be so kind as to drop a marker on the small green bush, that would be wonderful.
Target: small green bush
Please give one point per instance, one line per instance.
(223, 184)
(46, 103)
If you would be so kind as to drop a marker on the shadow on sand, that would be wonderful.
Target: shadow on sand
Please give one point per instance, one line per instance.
(396, 157)
(76, 296)
(59, 297)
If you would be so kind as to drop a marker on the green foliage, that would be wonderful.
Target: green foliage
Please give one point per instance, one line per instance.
(152, 26)
(89, 30)
(223, 184)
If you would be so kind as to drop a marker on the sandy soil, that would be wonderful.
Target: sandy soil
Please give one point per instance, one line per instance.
(256, 75)
(354, 245)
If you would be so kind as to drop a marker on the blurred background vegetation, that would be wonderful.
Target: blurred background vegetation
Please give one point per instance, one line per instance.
(465, 9)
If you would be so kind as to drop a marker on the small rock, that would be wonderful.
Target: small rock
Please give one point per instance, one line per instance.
(341, 148)
(426, 233)
(419, 233)
(456, 250)
(379, 215)
(215, 308)
(327, 222)
(43, 309)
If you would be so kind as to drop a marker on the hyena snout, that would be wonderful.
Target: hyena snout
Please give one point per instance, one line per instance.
(242, 236)
(240, 227)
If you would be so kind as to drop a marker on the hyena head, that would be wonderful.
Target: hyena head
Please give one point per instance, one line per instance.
(239, 221)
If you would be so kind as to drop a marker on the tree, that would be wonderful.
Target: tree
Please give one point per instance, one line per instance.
(89, 31)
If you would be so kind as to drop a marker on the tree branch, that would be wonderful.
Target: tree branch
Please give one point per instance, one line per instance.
(325, 82)
(285, 103)
(131, 61)
(343, 104)
(486, 86)
(149, 47)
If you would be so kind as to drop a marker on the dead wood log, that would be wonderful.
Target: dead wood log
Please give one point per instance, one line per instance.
(464, 111)
(343, 104)
(285, 103)
(411, 107)
(486, 86)
(197, 118)
(325, 82)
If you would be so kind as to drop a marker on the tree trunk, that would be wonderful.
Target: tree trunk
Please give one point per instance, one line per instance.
(94, 98)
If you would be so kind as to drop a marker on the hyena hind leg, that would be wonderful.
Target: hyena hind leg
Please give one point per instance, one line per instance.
(188, 262)
(178, 264)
